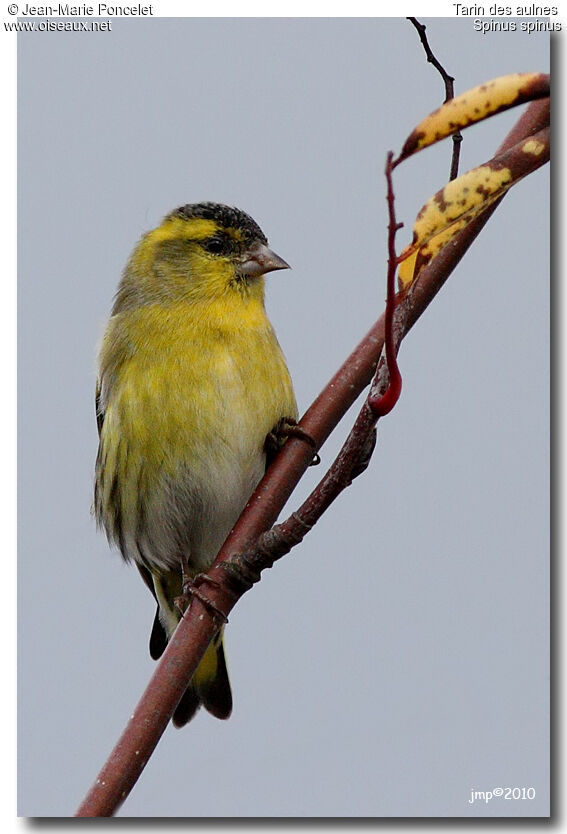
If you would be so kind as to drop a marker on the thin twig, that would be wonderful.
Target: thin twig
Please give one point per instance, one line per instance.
(382, 402)
(449, 81)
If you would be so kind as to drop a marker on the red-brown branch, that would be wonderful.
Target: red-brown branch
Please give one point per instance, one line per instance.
(198, 626)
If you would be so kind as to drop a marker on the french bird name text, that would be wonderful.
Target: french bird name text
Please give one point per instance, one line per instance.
(501, 11)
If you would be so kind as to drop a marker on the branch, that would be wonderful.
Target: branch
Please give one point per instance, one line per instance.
(244, 569)
(448, 80)
(198, 626)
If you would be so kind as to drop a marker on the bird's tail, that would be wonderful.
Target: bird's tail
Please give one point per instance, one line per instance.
(210, 685)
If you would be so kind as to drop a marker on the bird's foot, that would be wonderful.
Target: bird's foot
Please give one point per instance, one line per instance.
(190, 590)
(287, 427)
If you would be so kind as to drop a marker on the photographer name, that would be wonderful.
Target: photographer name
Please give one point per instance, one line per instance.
(101, 10)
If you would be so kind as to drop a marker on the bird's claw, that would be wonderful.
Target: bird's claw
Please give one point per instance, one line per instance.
(287, 427)
(190, 590)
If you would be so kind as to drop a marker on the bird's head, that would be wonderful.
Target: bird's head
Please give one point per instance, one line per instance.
(199, 252)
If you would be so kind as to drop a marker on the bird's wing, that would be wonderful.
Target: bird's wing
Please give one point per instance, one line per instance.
(158, 638)
(98, 407)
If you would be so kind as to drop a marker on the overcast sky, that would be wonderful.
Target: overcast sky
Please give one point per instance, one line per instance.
(398, 659)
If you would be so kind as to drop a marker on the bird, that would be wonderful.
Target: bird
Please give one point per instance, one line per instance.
(191, 381)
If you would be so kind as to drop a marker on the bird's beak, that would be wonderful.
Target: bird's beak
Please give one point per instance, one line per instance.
(260, 259)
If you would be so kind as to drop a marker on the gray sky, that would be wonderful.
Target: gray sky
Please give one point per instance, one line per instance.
(397, 659)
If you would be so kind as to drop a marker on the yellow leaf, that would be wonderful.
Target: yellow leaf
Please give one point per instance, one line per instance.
(473, 106)
(406, 269)
(449, 211)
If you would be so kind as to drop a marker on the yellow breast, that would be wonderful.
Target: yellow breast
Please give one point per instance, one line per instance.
(191, 394)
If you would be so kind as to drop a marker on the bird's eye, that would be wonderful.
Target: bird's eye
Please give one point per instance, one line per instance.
(215, 245)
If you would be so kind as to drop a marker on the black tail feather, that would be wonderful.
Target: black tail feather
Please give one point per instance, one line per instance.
(187, 707)
(215, 694)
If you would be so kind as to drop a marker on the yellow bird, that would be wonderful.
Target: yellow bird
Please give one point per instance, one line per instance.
(191, 382)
